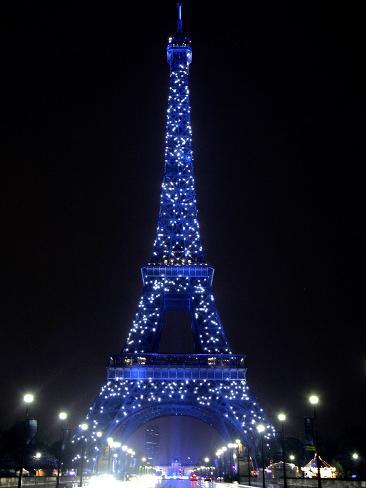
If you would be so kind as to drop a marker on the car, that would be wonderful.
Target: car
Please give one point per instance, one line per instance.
(207, 478)
(194, 477)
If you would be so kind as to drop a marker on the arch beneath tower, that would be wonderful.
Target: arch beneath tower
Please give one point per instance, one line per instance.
(215, 419)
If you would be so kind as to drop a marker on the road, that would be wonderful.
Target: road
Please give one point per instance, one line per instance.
(154, 483)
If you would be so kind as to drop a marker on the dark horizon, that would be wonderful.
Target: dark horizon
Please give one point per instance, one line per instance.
(277, 116)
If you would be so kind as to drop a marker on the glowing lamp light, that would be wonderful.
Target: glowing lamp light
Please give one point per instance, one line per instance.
(124, 448)
(84, 427)
(207, 459)
(116, 444)
(292, 457)
(261, 428)
(314, 399)
(62, 415)
(281, 417)
(143, 459)
(28, 398)
(99, 434)
(237, 441)
(355, 456)
(110, 441)
(38, 455)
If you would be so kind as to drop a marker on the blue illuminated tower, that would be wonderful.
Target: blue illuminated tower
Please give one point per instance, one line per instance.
(143, 384)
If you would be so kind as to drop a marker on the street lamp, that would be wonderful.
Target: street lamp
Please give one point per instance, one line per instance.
(62, 416)
(238, 448)
(233, 445)
(355, 456)
(314, 400)
(110, 442)
(207, 460)
(282, 418)
(38, 455)
(98, 434)
(292, 457)
(238, 441)
(260, 429)
(84, 427)
(220, 465)
(28, 399)
(143, 465)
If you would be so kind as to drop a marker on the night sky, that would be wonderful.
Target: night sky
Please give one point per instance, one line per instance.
(278, 130)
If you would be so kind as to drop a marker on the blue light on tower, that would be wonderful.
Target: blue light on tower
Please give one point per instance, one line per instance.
(209, 384)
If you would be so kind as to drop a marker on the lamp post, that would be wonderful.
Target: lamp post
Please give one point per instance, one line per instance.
(206, 460)
(110, 445)
(37, 457)
(355, 459)
(132, 453)
(314, 400)
(28, 399)
(125, 462)
(84, 427)
(99, 434)
(260, 429)
(143, 465)
(116, 459)
(248, 461)
(232, 457)
(62, 417)
(218, 454)
(224, 449)
(238, 448)
(282, 418)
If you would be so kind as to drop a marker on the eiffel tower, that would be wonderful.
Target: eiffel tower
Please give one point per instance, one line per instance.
(143, 384)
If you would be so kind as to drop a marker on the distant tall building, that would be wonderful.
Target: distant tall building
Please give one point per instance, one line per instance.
(152, 443)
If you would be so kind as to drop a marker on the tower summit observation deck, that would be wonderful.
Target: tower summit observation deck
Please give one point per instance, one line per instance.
(210, 383)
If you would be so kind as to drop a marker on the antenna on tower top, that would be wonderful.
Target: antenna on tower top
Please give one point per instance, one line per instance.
(179, 23)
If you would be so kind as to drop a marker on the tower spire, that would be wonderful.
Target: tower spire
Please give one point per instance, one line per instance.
(179, 22)
(178, 238)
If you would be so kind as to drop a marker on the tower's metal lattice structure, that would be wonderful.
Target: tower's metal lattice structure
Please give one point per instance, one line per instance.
(142, 384)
